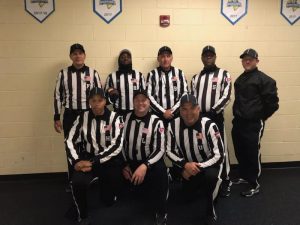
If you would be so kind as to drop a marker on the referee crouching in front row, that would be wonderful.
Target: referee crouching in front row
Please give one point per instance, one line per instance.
(144, 147)
(101, 134)
(194, 144)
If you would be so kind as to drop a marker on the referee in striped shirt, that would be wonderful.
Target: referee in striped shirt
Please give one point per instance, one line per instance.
(165, 85)
(72, 87)
(144, 147)
(212, 88)
(100, 132)
(195, 147)
(122, 84)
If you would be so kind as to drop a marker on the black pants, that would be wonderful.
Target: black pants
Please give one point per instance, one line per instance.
(68, 120)
(155, 187)
(219, 120)
(209, 179)
(110, 183)
(246, 136)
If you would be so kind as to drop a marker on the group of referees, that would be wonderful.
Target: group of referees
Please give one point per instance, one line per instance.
(160, 118)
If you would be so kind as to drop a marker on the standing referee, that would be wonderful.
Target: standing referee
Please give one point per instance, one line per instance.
(195, 146)
(122, 84)
(72, 88)
(144, 147)
(212, 88)
(255, 101)
(165, 85)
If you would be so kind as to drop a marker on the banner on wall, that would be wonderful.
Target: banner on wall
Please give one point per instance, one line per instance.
(107, 9)
(234, 10)
(290, 10)
(40, 9)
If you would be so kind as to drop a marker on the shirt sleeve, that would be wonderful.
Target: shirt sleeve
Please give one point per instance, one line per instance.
(58, 95)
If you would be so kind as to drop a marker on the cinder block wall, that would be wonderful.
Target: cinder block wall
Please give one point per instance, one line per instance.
(31, 54)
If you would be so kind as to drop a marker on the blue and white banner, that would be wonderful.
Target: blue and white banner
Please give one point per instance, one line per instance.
(234, 10)
(40, 9)
(107, 9)
(290, 10)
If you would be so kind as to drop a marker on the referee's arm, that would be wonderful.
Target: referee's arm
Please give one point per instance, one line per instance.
(97, 80)
(73, 139)
(172, 149)
(58, 95)
(158, 144)
(215, 144)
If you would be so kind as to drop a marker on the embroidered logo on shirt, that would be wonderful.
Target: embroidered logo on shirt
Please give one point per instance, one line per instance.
(107, 127)
(87, 78)
(121, 125)
(174, 78)
(199, 136)
(134, 81)
(161, 130)
(215, 79)
(145, 130)
(217, 135)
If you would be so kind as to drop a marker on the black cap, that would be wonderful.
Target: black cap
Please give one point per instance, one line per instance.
(125, 51)
(96, 91)
(164, 49)
(140, 92)
(75, 47)
(249, 52)
(188, 98)
(208, 48)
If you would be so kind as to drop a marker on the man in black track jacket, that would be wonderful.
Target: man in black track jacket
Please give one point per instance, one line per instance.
(255, 101)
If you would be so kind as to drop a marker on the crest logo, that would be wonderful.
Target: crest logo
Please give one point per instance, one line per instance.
(107, 9)
(235, 4)
(293, 4)
(40, 9)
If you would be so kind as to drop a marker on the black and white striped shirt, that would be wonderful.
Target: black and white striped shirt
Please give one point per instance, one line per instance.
(73, 87)
(212, 90)
(126, 84)
(101, 136)
(200, 143)
(165, 90)
(144, 138)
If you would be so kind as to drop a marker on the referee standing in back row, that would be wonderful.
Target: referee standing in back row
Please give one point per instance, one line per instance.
(165, 85)
(212, 88)
(72, 88)
(195, 146)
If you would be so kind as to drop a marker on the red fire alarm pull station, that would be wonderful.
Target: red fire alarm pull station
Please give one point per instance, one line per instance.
(164, 20)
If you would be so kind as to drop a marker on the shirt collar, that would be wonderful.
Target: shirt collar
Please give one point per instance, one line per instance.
(81, 70)
(105, 116)
(196, 126)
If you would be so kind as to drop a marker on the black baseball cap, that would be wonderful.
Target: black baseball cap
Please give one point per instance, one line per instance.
(208, 48)
(75, 47)
(96, 91)
(164, 49)
(140, 92)
(249, 52)
(188, 98)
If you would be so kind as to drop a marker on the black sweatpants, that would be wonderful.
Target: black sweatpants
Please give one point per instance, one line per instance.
(68, 120)
(209, 179)
(155, 187)
(219, 120)
(110, 183)
(246, 136)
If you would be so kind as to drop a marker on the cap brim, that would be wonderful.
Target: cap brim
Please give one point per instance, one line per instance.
(245, 54)
(208, 51)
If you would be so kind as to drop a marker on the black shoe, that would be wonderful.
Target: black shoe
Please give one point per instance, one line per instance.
(239, 181)
(85, 221)
(225, 189)
(161, 219)
(68, 188)
(251, 192)
(210, 220)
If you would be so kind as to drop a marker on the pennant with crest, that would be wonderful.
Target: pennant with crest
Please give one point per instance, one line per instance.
(40, 9)
(234, 10)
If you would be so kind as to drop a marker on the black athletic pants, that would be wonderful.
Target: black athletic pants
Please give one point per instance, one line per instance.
(246, 136)
(210, 180)
(110, 183)
(155, 187)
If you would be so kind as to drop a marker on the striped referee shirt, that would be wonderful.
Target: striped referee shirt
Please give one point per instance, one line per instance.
(200, 143)
(73, 87)
(166, 89)
(126, 84)
(212, 89)
(101, 136)
(144, 138)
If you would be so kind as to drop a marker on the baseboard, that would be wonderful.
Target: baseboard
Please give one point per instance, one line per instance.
(63, 175)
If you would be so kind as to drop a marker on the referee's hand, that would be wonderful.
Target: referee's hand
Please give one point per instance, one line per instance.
(83, 166)
(139, 174)
(58, 126)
